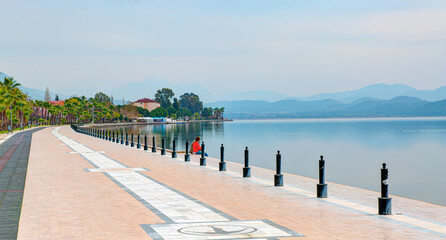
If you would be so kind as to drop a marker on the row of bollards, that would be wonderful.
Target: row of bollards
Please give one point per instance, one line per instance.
(384, 202)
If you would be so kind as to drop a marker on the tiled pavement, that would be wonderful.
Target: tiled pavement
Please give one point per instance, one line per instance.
(80, 187)
(14, 154)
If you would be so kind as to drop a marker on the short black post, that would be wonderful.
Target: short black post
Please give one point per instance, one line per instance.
(384, 202)
(174, 150)
(322, 189)
(113, 140)
(122, 138)
(146, 147)
(278, 178)
(203, 158)
(246, 169)
(163, 147)
(126, 139)
(109, 135)
(132, 143)
(187, 155)
(153, 144)
(139, 142)
(106, 135)
(222, 164)
(103, 134)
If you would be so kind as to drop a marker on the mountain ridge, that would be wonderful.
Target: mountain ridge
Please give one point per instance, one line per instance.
(402, 106)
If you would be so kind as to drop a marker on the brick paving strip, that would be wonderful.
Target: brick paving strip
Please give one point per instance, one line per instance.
(14, 153)
(81, 193)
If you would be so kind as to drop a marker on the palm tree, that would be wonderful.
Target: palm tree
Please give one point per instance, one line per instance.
(9, 85)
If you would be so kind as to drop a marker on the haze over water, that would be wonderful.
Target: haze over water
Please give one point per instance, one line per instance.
(413, 148)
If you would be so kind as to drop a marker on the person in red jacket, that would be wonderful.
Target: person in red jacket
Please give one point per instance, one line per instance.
(196, 148)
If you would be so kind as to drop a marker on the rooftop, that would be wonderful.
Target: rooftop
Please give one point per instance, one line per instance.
(146, 100)
(58, 103)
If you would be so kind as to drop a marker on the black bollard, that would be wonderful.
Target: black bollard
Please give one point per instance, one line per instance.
(132, 143)
(203, 158)
(109, 135)
(322, 189)
(113, 140)
(122, 138)
(146, 147)
(222, 164)
(246, 169)
(174, 146)
(126, 139)
(384, 202)
(163, 147)
(153, 144)
(278, 178)
(187, 155)
(139, 142)
(103, 134)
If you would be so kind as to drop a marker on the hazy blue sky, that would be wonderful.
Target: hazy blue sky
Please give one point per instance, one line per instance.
(292, 47)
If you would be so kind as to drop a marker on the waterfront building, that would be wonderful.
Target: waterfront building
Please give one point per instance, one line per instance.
(146, 103)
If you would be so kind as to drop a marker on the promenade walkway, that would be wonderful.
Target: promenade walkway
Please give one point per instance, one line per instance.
(14, 152)
(81, 187)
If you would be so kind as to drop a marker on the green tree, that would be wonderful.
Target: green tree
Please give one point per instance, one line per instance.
(102, 97)
(218, 112)
(163, 96)
(207, 112)
(184, 112)
(144, 112)
(171, 110)
(116, 115)
(192, 102)
(176, 104)
(159, 112)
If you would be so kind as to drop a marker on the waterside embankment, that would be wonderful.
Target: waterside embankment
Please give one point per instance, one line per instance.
(80, 186)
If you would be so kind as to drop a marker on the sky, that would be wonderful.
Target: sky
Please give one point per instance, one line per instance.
(292, 47)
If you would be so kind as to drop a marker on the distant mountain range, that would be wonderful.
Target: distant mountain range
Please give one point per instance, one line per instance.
(382, 91)
(402, 106)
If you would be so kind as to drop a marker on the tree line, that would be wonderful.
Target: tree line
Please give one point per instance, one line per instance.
(187, 105)
(18, 110)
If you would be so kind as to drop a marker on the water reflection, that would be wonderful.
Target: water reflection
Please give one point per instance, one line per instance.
(354, 149)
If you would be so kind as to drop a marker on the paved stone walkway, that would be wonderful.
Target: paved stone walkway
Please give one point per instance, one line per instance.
(14, 154)
(80, 187)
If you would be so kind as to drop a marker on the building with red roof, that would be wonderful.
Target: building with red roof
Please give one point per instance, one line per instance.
(146, 103)
(58, 103)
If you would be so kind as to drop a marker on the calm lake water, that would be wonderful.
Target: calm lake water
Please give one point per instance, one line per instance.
(413, 148)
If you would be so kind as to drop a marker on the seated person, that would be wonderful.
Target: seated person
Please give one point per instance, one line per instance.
(196, 148)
